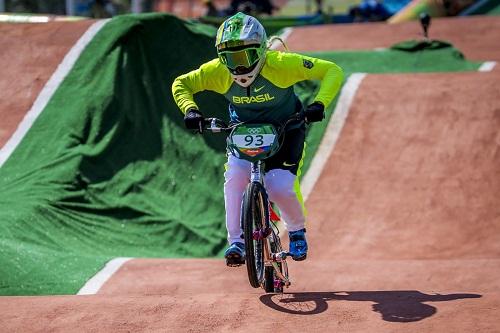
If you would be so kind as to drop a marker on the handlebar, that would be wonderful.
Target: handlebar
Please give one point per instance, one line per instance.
(216, 125)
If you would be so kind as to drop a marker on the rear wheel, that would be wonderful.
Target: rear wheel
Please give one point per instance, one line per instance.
(269, 279)
(270, 273)
(254, 219)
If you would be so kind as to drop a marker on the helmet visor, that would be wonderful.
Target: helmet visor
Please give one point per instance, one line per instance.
(245, 58)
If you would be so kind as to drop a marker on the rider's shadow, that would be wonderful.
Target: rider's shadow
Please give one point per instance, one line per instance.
(394, 306)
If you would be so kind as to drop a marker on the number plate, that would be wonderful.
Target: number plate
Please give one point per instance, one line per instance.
(253, 140)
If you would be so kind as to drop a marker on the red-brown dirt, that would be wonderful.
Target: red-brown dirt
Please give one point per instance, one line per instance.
(29, 55)
(476, 36)
(404, 226)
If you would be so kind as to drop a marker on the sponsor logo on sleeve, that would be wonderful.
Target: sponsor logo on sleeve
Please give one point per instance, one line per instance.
(307, 63)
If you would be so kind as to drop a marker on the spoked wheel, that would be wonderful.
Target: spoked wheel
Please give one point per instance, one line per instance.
(255, 215)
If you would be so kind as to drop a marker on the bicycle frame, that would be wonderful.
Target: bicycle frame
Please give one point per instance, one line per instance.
(270, 235)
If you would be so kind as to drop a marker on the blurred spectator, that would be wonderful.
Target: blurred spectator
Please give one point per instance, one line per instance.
(251, 7)
(453, 7)
(36, 6)
(93, 8)
(265, 6)
(319, 6)
(211, 9)
(369, 11)
(102, 9)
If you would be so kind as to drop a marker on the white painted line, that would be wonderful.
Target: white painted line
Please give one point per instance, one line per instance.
(97, 281)
(23, 18)
(487, 66)
(332, 133)
(49, 89)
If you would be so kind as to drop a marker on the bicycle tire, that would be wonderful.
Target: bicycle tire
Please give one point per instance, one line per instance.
(270, 273)
(269, 279)
(255, 216)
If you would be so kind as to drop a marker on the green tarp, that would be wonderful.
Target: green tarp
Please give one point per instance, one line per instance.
(108, 169)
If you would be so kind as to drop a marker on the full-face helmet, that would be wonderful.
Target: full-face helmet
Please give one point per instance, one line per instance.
(241, 44)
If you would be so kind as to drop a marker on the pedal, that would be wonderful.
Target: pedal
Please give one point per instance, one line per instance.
(233, 265)
(280, 256)
(235, 261)
(301, 258)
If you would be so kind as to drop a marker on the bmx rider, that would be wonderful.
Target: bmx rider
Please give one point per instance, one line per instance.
(258, 83)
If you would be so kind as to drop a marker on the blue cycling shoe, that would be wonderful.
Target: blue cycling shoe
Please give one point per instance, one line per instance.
(235, 255)
(298, 244)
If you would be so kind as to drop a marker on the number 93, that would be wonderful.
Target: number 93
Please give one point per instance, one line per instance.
(256, 140)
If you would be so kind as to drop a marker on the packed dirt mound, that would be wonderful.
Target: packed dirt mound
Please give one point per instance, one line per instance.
(474, 36)
(415, 173)
(30, 54)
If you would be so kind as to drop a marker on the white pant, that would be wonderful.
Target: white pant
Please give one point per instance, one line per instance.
(279, 186)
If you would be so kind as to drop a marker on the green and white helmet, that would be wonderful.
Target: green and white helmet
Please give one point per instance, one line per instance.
(241, 44)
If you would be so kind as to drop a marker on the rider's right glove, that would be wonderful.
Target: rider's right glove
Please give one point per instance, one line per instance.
(194, 120)
(314, 112)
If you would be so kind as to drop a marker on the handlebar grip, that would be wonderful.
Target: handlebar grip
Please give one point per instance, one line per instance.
(214, 125)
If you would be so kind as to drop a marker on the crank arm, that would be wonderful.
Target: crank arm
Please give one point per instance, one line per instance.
(280, 256)
(280, 276)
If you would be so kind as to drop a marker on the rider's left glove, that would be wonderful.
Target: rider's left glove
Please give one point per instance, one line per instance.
(194, 120)
(314, 112)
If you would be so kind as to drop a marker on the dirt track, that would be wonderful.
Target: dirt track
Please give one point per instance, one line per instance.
(475, 36)
(404, 225)
(30, 54)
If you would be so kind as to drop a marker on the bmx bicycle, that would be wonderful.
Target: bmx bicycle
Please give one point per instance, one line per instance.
(265, 258)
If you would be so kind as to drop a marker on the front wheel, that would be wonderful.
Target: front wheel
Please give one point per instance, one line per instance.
(255, 217)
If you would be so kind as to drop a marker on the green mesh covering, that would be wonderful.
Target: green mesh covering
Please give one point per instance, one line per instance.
(420, 45)
(108, 169)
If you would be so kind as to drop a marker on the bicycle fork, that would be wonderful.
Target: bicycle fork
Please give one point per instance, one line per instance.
(275, 259)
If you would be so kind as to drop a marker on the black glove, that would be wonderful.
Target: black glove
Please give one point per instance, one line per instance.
(314, 112)
(194, 120)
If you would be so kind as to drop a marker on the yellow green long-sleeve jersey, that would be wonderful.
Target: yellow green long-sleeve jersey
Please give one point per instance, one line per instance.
(270, 98)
